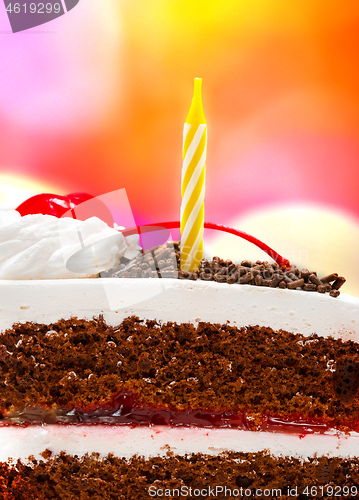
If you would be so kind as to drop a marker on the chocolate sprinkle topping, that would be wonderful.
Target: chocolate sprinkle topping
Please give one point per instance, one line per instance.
(164, 262)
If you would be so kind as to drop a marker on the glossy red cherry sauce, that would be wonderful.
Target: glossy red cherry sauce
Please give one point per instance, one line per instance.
(80, 206)
(125, 409)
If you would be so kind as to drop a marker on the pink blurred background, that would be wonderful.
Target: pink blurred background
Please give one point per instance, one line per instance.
(96, 100)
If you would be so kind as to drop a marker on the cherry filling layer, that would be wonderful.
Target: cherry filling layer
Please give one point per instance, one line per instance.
(125, 409)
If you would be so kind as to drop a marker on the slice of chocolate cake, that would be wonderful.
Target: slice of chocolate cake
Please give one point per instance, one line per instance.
(234, 380)
(235, 402)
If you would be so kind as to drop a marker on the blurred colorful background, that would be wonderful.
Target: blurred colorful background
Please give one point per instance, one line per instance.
(96, 101)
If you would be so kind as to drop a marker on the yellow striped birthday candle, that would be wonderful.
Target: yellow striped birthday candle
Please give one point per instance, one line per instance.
(193, 180)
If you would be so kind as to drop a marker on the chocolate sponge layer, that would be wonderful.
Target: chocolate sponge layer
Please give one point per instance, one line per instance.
(256, 369)
(243, 474)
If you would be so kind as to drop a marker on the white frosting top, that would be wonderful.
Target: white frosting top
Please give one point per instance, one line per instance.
(44, 247)
(181, 301)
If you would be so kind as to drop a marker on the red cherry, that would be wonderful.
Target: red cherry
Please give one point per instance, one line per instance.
(80, 206)
(45, 203)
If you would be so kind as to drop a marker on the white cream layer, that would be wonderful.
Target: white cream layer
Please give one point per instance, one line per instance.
(46, 301)
(124, 441)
